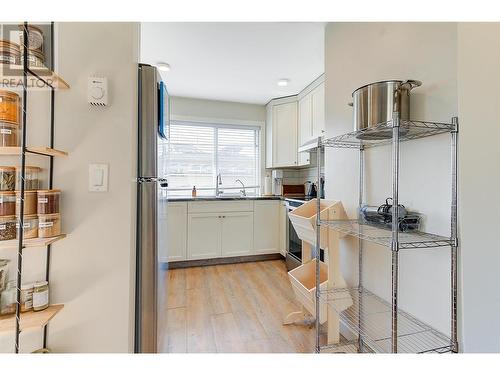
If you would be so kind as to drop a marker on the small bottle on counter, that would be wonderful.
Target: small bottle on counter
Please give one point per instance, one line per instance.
(193, 192)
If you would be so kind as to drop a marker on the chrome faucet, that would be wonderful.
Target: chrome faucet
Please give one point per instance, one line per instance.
(219, 182)
(242, 191)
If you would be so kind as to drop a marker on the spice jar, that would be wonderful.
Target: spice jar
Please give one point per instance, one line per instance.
(4, 273)
(7, 203)
(48, 201)
(7, 228)
(27, 297)
(30, 200)
(9, 53)
(30, 226)
(9, 135)
(40, 295)
(9, 107)
(35, 59)
(31, 181)
(35, 37)
(7, 178)
(8, 299)
(49, 225)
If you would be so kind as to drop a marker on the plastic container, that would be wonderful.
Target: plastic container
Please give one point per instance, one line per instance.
(8, 299)
(7, 228)
(7, 178)
(9, 107)
(30, 224)
(30, 202)
(49, 225)
(40, 295)
(4, 273)
(48, 201)
(9, 135)
(31, 181)
(27, 297)
(7, 203)
(10, 53)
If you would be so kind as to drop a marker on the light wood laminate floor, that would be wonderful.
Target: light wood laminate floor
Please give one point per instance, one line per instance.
(230, 308)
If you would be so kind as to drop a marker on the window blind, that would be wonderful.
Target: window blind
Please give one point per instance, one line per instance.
(196, 153)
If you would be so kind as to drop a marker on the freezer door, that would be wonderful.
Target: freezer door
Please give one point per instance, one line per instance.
(148, 121)
(146, 267)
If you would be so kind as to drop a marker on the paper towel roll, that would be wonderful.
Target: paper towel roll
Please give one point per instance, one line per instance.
(267, 185)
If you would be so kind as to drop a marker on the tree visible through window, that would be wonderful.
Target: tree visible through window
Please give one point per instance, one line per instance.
(196, 153)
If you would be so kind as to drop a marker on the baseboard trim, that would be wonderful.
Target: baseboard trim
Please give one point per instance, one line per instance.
(217, 261)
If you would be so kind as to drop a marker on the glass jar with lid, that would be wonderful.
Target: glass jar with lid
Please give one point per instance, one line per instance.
(7, 178)
(4, 273)
(7, 228)
(31, 181)
(30, 200)
(48, 201)
(7, 203)
(30, 226)
(9, 135)
(9, 107)
(49, 225)
(10, 53)
(27, 290)
(40, 295)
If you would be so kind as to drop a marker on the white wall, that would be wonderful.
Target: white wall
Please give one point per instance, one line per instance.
(92, 270)
(359, 53)
(201, 109)
(479, 109)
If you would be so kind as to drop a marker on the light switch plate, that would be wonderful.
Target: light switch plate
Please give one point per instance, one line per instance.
(98, 177)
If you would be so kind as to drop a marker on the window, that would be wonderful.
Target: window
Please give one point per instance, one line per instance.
(196, 153)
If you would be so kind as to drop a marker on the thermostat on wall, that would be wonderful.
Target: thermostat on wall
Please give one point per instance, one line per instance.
(98, 91)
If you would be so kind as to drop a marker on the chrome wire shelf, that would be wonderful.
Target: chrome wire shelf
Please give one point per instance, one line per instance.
(381, 134)
(383, 236)
(372, 322)
(345, 347)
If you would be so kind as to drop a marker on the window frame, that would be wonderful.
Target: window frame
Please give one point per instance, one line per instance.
(258, 144)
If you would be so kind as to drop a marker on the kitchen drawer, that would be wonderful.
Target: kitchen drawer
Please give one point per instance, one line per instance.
(220, 206)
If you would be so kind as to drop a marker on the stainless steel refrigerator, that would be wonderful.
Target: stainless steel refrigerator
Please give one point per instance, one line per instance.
(153, 122)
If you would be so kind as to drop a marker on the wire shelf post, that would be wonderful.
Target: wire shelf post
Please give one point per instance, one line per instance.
(395, 230)
(360, 244)
(318, 246)
(454, 233)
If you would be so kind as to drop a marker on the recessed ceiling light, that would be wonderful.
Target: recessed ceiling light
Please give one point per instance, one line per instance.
(164, 67)
(283, 82)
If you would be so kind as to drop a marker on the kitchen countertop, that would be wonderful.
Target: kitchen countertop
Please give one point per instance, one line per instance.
(227, 198)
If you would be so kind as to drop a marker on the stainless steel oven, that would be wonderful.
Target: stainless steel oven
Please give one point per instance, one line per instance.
(293, 242)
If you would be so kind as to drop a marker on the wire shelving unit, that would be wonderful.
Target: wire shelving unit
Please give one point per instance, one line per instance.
(39, 78)
(381, 326)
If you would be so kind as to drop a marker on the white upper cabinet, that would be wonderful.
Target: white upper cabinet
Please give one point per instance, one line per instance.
(285, 134)
(318, 110)
(291, 122)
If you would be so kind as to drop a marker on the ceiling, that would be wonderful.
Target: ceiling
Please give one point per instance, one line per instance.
(237, 62)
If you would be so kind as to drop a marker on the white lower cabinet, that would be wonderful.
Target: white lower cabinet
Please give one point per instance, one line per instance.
(266, 225)
(204, 230)
(176, 228)
(204, 237)
(236, 234)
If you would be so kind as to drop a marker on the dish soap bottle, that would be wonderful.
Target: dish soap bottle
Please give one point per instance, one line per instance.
(193, 192)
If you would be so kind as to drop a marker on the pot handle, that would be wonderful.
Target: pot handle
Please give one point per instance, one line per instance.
(411, 83)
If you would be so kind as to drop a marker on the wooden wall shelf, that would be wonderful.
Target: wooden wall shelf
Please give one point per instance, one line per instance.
(46, 151)
(30, 319)
(31, 242)
(38, 77)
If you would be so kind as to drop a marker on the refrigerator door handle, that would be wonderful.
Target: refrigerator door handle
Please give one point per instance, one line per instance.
(147, 180)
